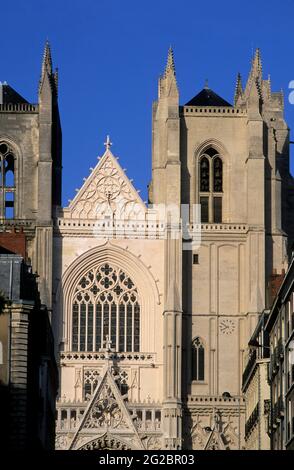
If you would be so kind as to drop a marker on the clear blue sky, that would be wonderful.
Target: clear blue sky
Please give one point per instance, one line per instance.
(111, 52)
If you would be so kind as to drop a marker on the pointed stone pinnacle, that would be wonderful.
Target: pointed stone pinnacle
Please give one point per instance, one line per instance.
(268, 86)
(239, 82)
(238, 88)
(47, 59)
(46, 69)
(170, 66)
(257, 64)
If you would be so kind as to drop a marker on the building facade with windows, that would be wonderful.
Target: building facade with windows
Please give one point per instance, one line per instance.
(256, 389)
(28, 370)
(151, 316)
(280, 327)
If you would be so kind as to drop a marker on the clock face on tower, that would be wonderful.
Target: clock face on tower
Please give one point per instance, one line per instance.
(227, 326)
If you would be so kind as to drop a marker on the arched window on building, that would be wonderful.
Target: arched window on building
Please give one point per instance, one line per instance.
(211, 186)
(105, 305)
(7, 184)
(197, 359)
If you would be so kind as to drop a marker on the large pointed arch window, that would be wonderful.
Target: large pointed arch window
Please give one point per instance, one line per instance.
(7, 185)
(106, 307)
(211, 186)
(197, 359)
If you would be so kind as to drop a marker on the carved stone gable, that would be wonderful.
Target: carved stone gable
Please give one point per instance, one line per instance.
(106, 412)
(107, 192)
(215, 441)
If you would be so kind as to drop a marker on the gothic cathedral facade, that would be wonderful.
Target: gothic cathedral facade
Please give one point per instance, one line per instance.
(151, 316)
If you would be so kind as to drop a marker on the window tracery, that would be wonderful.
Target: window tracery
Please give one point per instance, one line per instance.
(105, 303)
(91, 377)
(211, 186)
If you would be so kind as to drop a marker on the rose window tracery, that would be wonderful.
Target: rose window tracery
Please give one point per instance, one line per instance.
(105, 411)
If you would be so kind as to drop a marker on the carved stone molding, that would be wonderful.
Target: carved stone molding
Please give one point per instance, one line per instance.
(107, 192)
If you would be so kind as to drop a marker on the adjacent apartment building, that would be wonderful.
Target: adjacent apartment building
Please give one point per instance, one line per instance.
(280, 327)
(256, 389)
(28, 371)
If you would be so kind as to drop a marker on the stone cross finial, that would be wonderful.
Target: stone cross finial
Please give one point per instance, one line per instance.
(107, 343)
(217, 418)
(107, 144)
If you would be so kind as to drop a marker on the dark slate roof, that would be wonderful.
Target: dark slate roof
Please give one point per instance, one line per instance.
(207, 97)
(9, 96)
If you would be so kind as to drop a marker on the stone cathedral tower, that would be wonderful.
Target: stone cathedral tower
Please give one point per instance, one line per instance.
(30, 153)
(151, 335)
(234, 162)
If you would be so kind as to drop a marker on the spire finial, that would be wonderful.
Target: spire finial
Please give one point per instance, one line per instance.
(47, 68)
(206, 84)
(47, 59)
(257, 64)
(238, 88)
(170, 66)
(108, 143)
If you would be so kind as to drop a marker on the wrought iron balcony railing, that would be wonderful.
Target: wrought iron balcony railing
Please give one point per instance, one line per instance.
(248, 369)
(252, 420)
